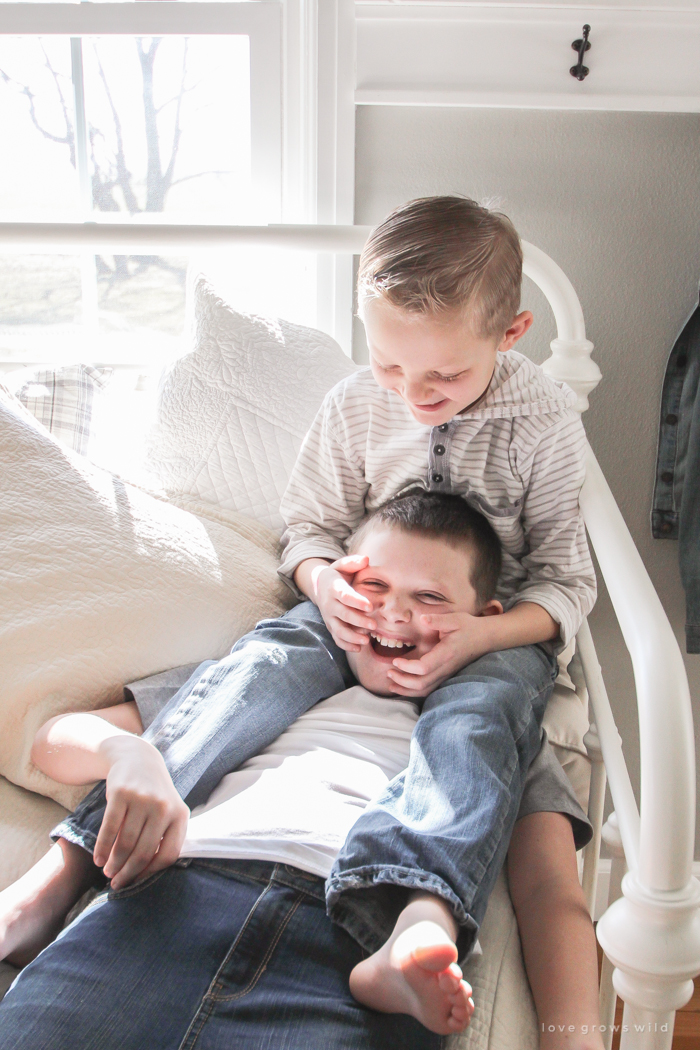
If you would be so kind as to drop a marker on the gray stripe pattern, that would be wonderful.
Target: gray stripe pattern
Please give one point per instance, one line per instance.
(518, 457)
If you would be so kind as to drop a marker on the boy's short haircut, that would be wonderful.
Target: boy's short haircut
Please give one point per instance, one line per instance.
(440, 254)
(447, 517)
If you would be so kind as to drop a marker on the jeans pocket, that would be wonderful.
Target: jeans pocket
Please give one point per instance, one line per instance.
(136, 888)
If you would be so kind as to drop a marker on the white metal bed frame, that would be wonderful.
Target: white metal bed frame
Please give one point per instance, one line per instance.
(650, 932)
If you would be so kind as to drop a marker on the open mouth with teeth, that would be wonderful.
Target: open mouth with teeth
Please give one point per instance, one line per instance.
(390, 647)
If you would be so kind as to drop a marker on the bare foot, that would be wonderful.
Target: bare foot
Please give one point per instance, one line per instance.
(33, 909)
(416, 971)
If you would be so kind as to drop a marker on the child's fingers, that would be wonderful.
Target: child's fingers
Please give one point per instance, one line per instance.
(345, 636)
(111, 823)
(126, 841)
(145, 849)
(412, 667)
(349, 597)
(169, 849)
(350, 563)
(433, 661)
(414, 688)
(442, 621)
(347, 615)
(419, 675)
(416, 685)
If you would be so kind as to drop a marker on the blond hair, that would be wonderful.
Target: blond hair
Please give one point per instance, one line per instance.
(440, 254)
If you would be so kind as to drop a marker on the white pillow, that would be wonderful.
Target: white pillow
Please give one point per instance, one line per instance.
(233, 412)
(101, 584)
(62, 399)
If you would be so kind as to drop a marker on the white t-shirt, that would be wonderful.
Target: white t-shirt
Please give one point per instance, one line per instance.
(296, 801)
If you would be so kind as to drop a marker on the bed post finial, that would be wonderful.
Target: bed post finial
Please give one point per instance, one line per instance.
(571, 363)
(571, 352)
(652, 937)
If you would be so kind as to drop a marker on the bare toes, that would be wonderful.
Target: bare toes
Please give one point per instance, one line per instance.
(447, 983)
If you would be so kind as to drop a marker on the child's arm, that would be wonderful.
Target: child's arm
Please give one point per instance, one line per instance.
(145, 820)
(556, 932)
(559, 589)
(323, 503)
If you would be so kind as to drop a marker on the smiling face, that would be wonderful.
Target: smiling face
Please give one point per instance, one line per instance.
(409, 574)
(434, 363)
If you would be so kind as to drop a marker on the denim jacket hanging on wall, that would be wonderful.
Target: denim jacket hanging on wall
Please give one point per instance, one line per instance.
(676, 506)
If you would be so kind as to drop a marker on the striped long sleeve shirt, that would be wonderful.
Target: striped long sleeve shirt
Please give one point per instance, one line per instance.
(518, 457)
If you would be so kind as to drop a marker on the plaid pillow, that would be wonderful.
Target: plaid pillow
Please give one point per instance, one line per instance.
(62, 399)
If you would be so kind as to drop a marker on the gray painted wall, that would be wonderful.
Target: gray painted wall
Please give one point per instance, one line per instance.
(614, 198)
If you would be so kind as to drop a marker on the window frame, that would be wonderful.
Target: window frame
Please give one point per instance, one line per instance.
(260, 21)
(302, 67)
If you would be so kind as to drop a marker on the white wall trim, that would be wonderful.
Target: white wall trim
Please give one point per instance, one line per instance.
(445, 7)
(149, 17)
(523, 100)
(516, 55)
(482, 11)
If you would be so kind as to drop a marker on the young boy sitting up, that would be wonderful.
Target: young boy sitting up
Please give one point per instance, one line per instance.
(281, 819)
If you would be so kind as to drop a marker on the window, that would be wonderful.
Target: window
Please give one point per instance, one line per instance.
(122, 118)
(169, 115)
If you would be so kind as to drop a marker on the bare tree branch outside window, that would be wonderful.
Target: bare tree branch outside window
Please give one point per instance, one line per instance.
(114, 186)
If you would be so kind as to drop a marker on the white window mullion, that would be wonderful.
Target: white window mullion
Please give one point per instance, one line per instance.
(344, 174)
(88, 272)
(266, 116)
(300, 111)
(319, 137)
(81, 148)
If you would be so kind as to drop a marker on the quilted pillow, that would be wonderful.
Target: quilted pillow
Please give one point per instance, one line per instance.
(233, 412)
(101, 584)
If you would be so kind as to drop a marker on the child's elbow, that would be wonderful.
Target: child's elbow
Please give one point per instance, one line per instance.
(41, 745)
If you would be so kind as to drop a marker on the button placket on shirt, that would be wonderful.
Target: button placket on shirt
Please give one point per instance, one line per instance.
(439, 458)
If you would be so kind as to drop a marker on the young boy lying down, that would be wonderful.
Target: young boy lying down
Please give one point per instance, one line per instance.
(281, 819)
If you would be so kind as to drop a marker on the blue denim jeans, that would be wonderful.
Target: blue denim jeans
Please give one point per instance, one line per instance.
(676, 503)
(442, 826)
(208, 955)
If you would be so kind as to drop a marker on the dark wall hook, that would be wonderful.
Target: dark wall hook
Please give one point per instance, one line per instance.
(579, 70)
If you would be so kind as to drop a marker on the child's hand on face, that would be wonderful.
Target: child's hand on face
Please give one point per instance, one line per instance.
(462, 638)
(344, 610)
(145, 820)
